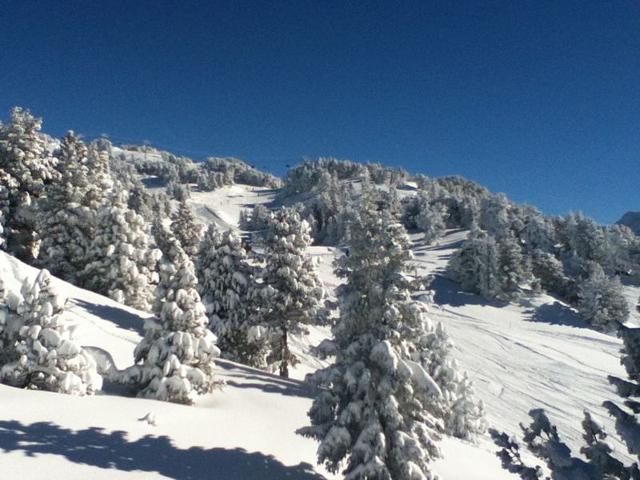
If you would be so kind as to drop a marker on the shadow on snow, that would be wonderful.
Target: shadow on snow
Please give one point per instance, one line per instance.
(267, 382)
(111, 450)
(119, 316)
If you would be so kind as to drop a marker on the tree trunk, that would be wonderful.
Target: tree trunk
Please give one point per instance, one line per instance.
(284, 362)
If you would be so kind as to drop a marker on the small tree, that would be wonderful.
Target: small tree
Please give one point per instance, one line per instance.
(600, 299)
(48, 358)
(292, 292)
(186, 229)
(514, 268)
(462, 416)
(175, 359)
(227, 286)
(432, 221)
(476, 265)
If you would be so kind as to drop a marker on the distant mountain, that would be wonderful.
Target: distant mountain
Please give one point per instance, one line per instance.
(631, 220)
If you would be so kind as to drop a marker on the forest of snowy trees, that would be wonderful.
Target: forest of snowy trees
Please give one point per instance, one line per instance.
(78, 211)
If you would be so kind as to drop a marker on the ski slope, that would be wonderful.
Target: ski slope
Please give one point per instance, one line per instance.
(534, 353)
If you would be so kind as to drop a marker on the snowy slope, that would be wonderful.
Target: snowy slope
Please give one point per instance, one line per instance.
(245, 430)
(536, 353)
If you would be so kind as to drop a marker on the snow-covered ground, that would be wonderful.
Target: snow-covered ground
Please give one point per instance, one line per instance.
(536, 353)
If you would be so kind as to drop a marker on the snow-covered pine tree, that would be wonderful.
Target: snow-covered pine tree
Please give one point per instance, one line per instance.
(227, 287)
(600, 299)
(432, 221)
(26, 165)
(549, 274)
(463, 416)
(175, 360)
(374, 413)
(10, 323)
(494, 215)
(292, 292)
(186, 229)
(121, 262)
(476, 265)
(514, 269)
(65, 224)
(48, 358)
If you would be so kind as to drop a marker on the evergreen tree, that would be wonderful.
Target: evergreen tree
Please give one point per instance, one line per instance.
(227, 286)
(25, 167)
(514, 269)
(375, 406)
(292, 292)
(476, 265)
(600, 299)
(186, 230)
(122, 264)
(494, 215)
(175, 360)
(463, 417)
(48, 358)
(432, 221)
(64, 221)
(10, 323)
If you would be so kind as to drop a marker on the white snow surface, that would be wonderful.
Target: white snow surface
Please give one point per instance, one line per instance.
(536, 353)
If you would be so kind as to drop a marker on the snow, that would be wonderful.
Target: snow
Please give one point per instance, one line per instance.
(534, 353)
(222, 206)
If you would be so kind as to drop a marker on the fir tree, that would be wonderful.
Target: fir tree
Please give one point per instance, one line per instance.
(375, 408)
(48, 358)
(463, 417)
(476, 265)
(514, 270)
(26, 166)
(175, 359)
(65, 223)
(186, 230)
(601, 302)
(122, 263)
(227, 286)
(292, 292)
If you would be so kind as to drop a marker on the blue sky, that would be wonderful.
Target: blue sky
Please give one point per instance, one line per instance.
(538, 99)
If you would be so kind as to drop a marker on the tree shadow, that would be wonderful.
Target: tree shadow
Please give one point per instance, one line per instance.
(111, 450)
(558, 314)
(119, 316)
(154, 182)
(448, 292)
(267, 382)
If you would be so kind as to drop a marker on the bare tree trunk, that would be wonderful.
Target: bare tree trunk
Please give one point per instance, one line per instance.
(284, 362)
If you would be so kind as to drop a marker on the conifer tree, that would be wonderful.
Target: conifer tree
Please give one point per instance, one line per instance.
(227, 286)
(292, 292)
(476, 265)
(122, 264)
(186, 229)
(514, 270)
(175, 359)
(375, 411)
(65, 224)
(26, 166)
(48, 358)
(462, 415)
(431, 220)
(600, 301)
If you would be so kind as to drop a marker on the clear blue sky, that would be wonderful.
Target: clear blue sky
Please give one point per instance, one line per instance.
(539, 99)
